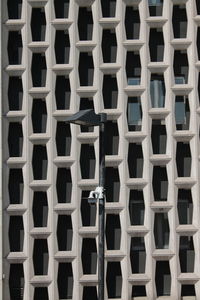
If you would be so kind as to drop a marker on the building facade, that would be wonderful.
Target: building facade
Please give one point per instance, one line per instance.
(138, 61)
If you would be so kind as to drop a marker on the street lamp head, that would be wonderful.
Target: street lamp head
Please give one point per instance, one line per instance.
(87, 118)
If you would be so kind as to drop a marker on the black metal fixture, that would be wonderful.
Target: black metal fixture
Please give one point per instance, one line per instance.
(90, 118)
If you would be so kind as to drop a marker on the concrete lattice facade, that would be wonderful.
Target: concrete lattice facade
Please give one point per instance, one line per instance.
(139, 62)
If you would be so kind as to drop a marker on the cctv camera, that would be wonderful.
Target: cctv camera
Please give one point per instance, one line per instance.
(92, 199)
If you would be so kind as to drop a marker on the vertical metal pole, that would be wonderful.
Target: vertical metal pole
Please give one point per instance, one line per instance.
(101, 212)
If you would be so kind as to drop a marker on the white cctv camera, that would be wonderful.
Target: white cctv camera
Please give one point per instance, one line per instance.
(95, 195)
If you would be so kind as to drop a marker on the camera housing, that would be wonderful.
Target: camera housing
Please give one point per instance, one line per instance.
(95, 195)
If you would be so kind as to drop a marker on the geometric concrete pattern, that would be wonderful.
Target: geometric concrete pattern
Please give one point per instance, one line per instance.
(139, 62)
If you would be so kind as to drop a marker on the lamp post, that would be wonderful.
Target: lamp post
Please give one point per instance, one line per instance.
(90, 118)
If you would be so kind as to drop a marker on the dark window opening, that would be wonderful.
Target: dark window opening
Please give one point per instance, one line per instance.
(157, 90)
(185, 206)
(110, 91)
(89, 292)
(182, 113)
(186, 254)
(113, 232)
(40, 257)
(188, 289)
(39, 162)
(160, 183)
(86, 103)
(15, 93)
(15, 139)
(16, 233)
(16, 186)
(108, 8)
(62, 92)
(87, 161)
(138, 291)
(109, 46)
(62, 47)
(85, 23)
(14, 9)
(40, 209)
(180, 67)
(64, 185)
(156, 44)
(63, 139)
(179, 21)
(38, 70)
(112, 138)
(86, 69)
(39, 116)
(138, 255)
(155, 7)
(198, 7)
(135, 160)
(133, 68)
(158, 137)
(198, 42)
(15, 48)
(89, 256)
(16, 282)
(65, 281)
(132, 23)
(136, 207)
(64, 233)
(114, 280)
(38, 24)
(112, 184)
(183, 159)
(61, 8)
(161, 231)
(41, 293)
(134, 114)
(163, 278)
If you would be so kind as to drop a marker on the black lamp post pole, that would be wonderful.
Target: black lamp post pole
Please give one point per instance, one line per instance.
(101, 208)
(89, 118)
